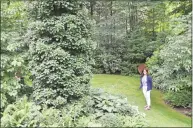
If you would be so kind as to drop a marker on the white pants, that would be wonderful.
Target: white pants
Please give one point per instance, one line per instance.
(147, 96)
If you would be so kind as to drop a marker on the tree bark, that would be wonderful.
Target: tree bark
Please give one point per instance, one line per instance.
(111, 21)
(153, 31)
(91, 7)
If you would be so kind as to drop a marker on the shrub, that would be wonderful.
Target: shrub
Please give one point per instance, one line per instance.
(111, 110)
(17, 114)
(134, 121)
(110, 120)
(13, 26)
(85, 112)
(171, 66)
(24, 113)
(106, 103)
(117, 120)
(106, 63)
(11, 90)
(181, 98)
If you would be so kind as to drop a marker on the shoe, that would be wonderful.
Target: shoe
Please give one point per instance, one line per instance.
(145, 106)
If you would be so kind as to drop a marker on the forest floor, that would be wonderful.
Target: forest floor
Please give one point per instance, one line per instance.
(160, 115)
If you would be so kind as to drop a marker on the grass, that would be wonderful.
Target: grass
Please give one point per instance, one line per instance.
(160, 115)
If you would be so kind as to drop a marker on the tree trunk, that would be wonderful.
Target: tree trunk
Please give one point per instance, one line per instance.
(111, 21)
(136, 15)
(114, 30)
(153, 31)
(126, 26)
(106, 25)
(91, 7)
(129, 16)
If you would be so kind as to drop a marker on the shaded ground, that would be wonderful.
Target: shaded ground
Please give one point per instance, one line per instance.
(160, 115)
(185, 111)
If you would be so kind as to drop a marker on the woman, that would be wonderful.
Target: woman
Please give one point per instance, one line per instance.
(146, 84)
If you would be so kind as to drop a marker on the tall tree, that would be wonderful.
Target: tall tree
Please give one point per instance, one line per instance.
(60, 51)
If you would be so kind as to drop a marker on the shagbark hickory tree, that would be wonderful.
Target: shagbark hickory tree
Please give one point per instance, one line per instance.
(60, 49)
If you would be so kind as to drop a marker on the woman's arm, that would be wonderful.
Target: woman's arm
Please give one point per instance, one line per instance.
(150, 82)
(140, 83)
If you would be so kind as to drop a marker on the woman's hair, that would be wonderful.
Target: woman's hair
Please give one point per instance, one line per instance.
(146, 69)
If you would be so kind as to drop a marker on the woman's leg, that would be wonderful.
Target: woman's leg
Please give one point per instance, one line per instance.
(148, 98)
(145, 94)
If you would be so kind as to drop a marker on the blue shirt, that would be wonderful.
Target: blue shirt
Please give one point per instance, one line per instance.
(149, 83)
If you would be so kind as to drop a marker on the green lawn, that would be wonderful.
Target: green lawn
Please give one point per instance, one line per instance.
(160, 115)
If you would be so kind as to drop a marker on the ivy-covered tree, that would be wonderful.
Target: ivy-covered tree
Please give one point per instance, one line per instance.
(60, 51)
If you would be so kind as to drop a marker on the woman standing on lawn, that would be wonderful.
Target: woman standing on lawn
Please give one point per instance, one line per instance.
(146, 84)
